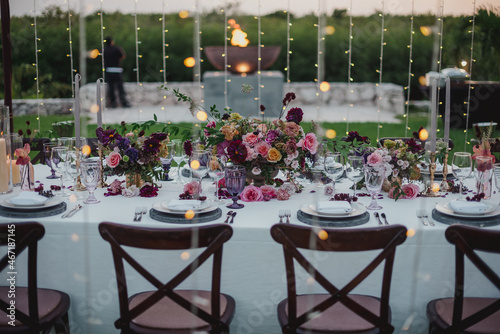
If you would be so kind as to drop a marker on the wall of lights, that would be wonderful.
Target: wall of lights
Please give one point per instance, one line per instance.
(320, 26)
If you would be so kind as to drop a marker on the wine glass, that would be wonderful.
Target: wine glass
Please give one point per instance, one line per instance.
(66, 142)
(167, 161)
(374, 178)
(90, 172)
(333, 167)
(73, 169)
(179, 156)
(496, 169)
(483, 173)
(354, 170)
(461, 166)
(216, 172)
(198, 162)
(235, 183)
(47, 150)
(58, 158)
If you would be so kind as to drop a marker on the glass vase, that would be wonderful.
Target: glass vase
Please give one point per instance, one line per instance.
(27, 177)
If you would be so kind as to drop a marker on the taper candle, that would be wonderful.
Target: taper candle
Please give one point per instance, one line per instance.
(77, 110)
(4, 167)
(99, 103)
(433, 115)
(447, 111)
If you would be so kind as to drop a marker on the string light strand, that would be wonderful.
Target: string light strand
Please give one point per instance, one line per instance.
(380, 70)
(259, 61)
(410, 74)
(36, 65)
(472, 60)
(288, 42)
(349, 67)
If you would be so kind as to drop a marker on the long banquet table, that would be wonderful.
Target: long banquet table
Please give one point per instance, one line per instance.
(74, 258)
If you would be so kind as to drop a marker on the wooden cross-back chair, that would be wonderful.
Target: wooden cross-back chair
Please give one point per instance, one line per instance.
(461, 314)
(167, 310)
(36, 310)
(338, 311)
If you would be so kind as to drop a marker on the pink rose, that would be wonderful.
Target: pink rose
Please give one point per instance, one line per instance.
(250, 138)
(292, 129)
(113, 159)
(192, 188)
(374, 159)
(252, 194)
(262, 148)
(410, 190)
(309, 143)
(282, 195)
(269, 192)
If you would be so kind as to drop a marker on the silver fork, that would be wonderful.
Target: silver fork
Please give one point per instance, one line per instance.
(420, 214)
(281, 214)
(137, 212)
(288, 214)
(424, 215)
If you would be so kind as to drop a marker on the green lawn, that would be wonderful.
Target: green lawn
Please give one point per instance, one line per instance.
(368, 129)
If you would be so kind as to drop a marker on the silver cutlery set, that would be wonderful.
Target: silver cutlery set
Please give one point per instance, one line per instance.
(424, 218)
(71, 212)
(377, 216)
(139, 212)
(230, 217)
(285, 214)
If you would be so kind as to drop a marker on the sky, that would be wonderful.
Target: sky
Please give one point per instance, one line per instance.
(297, 7)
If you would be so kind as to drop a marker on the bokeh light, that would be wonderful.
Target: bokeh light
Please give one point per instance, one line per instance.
(463, 63)
(330, 30)
(435, 187)
(422, 81)
(86, 150)
(75, 237)
(423, 134)
(189, 214)
(183, 14)
(72, 198)
(201, 116)
(426, 31)
(410, 233)
(330, 134)
(324, 86)
(94, 108)
(94, 54)
(195, 164)
(185, 256)
(323, 235)
(189, 62)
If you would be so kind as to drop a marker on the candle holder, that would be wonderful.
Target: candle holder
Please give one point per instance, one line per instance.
(444, 184)
(102, 183)
(431, 188)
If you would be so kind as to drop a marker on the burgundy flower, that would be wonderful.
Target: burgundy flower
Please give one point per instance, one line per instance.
(20, 132)
(188, 148)
(106, 136)
(151, 145)
(160, 136)
(141, 134)
(294, 115)
(148, 190)
(262, 108)
(414, 146)
(237, 151)
(272, 135)
(288, 98)
(225, 117)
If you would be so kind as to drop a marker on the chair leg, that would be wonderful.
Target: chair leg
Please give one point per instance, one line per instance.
(62, 325)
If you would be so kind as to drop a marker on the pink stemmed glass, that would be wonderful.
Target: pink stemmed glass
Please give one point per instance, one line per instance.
(235, 183)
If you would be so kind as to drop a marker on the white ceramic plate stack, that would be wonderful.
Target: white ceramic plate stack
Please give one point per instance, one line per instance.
(357, 210)
(50, 202)
(204, 207)
(488, 210)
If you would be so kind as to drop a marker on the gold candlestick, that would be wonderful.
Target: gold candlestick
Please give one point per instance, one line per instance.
(79, 185)
(444, 184)
(433, 188)
(102, 183)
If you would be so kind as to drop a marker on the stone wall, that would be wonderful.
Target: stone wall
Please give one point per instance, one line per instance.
(149, 94)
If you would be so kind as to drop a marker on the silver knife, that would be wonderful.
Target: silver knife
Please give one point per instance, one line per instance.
(78, 207)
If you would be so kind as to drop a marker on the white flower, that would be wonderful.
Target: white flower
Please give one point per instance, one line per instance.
(256, 171)
(131, 191)
(295, 164)
(288, 187)
(400, 162)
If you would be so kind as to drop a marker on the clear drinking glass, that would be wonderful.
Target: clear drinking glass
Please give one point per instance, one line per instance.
(47, 150)
(73, 169)
(66, 142)
(198, 162)
(58, 159)
(90, 173)
(167, 161)
(333, 167)
(374, 178)
(216, 172)
(461, 166)
(483, 172)
(179, 156)
(354, 169)
(496, 169)
(235, 183)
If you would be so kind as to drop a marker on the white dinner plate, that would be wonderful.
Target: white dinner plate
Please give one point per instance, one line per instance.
(444, 208)
(161, 208)
(357, 210)
(203, 206)
(53, 201)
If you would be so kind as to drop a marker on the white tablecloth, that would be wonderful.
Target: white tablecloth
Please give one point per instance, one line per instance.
(75, 259)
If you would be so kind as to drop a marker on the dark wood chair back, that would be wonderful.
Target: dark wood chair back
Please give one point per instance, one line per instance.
(294, 238)
(210, 237)
(467, 241)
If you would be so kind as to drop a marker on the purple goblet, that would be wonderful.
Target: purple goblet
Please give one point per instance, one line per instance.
(235, 183)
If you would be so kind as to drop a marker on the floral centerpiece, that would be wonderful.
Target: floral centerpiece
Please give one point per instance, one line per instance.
(133, 154)
(262, 147)
(400, 160)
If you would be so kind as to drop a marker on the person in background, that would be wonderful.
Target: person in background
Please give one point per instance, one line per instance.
(113, 56)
